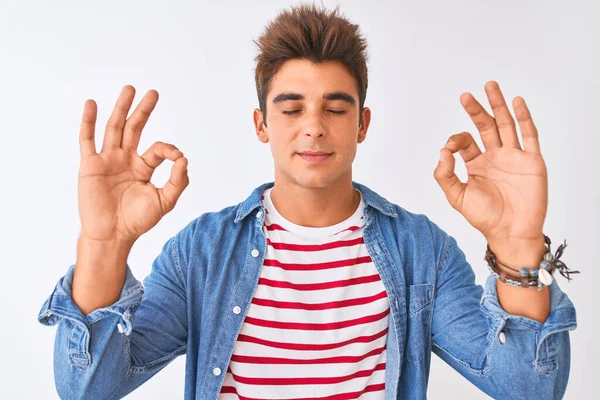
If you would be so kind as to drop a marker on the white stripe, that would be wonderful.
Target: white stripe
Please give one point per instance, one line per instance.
(309, 337)
(318, 296)
(319, 276)
(289, 237)
(331, 315)
(353, 349)
(283, 392)
(316, 257)
(305, 371)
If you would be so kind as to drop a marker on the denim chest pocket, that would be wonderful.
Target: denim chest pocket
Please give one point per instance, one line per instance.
(420, 299)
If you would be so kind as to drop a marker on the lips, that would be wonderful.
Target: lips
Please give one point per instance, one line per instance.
(315, 156)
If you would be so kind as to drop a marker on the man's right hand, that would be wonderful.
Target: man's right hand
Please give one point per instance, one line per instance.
(117, 202)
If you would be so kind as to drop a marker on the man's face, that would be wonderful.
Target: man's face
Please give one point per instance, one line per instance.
(312, 123)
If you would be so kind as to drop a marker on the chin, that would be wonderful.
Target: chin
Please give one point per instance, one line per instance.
(314, 181)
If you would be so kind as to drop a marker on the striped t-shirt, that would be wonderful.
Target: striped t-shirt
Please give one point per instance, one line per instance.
(318, 322)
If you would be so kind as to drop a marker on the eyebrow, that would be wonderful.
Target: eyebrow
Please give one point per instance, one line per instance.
(327, 96)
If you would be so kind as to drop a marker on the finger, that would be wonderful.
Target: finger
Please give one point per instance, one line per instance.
(504, 120)
(135, 124)
(178, 181)
(159, 152)
(529, 132)
(444, 174)
(87, 146)
(485, 123)
(465, 144)
(116, 122)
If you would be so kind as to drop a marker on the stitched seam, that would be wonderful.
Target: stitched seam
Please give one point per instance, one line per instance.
(444, 257)
(127, 356)
(69, 341)
(547, 360)
(478, 372)
(430, 290)
(175, 255)
(171, 356)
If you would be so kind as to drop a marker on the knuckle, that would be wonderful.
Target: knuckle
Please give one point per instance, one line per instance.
(134, 126)
(112, 125)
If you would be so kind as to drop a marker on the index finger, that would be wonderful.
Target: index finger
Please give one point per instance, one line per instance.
(87, 146)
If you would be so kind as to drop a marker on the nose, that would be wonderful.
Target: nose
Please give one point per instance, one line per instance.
(314, 124)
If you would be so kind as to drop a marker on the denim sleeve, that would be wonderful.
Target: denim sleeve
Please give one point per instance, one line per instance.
(506, 356)
(113, 350)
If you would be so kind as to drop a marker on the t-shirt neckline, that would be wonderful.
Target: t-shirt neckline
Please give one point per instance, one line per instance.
(314, 232)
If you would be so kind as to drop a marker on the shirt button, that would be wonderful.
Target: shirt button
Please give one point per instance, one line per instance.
(502, 337)
(254, 253)
(237, 309)
(217, 371)
(259, 214)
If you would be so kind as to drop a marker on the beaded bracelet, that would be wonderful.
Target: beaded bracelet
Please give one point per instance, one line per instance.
(529, 277)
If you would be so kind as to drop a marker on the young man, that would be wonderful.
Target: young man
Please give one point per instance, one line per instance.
(314, 286)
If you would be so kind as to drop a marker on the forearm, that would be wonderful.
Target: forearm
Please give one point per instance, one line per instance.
(527, 302)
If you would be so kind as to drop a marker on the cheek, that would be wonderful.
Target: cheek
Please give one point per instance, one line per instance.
(280, 144)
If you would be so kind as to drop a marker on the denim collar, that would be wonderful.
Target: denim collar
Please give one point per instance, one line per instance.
(370, 198)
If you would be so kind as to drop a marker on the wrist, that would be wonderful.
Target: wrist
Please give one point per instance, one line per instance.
(102, 256)
(518, 253)
(114, 245)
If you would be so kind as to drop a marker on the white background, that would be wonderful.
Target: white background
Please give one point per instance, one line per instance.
(199, 56)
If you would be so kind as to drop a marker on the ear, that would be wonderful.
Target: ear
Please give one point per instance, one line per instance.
(366, 120)
(259, 125)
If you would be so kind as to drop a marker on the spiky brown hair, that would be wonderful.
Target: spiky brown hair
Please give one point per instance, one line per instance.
(315, 34)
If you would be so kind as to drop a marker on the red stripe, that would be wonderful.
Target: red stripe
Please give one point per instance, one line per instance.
(317, 266)
(314, 247)
(324, 380)
(318, 306)
(327, 360)
(311, 347)
(349, 395)
(317, 326)
(274, 227)
(319, 286)
(351, 229)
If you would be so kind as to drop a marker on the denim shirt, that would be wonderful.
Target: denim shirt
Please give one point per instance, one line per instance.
(201, 285)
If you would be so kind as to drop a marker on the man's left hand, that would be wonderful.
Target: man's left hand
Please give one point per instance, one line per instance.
(506, 194)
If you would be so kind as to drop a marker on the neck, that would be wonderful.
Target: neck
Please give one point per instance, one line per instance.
(315, 207)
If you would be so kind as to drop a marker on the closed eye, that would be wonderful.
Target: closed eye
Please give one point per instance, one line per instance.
(336, 112)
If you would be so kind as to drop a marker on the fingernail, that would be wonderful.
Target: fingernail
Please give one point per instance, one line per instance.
(441, 156)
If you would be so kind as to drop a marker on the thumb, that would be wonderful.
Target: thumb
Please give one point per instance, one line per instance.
(178, 181)
(444, 174)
